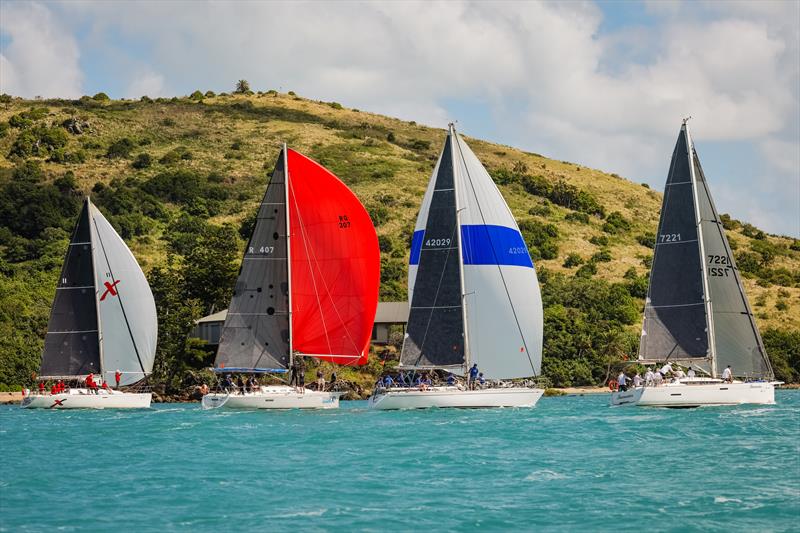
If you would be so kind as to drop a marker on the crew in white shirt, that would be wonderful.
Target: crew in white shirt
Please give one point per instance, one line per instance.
(666, 369)
(727, 374)
(622, 381)
(649, 377)
(679, 373)
(691, 372)
(658, 378)
(637, 380)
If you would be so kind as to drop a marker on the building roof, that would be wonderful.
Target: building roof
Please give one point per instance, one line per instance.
(216, 317)
(388, 313)
(392, 313)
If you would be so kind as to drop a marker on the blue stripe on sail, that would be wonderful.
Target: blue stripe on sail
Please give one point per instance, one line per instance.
(416, 246)
(484, 245)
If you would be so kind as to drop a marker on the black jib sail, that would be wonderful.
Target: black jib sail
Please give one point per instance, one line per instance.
(435, 333)
(255, 336)
(71, 347)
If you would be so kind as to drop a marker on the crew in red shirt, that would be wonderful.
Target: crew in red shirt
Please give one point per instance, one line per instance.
(41, 387)
(117, 377)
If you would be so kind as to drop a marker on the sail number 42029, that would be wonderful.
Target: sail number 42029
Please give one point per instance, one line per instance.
(437, 243)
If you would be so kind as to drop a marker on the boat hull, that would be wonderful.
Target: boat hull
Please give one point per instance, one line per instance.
(83, 399)
(273, 398)
(683, 395)
(452, 397)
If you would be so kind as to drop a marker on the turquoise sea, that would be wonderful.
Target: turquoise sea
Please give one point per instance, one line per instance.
(570, 464)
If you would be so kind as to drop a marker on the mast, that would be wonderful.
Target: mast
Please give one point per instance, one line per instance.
(698, 221)
(458, 249)
(288, 248)
(92, 233)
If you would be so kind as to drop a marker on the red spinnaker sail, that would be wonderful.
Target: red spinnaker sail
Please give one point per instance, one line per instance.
(335, 265)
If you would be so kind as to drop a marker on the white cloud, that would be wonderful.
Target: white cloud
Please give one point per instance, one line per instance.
(146, 83)
(552, 80)
(41, 58)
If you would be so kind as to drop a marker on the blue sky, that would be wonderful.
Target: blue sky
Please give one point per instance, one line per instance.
(603, 84)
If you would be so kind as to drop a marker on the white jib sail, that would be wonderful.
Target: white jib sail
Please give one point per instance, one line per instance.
(127, 310)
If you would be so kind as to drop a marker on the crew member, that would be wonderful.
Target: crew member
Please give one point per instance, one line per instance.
(473, 375)
(117, 377)
(622, 381)
(727, 374)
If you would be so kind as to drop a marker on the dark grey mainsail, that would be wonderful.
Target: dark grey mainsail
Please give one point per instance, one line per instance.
(72, 347)
(255, 336)
(736, 339)
(435, 332)
(675, 325)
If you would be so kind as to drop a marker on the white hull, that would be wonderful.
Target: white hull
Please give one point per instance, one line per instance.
(279, 397)
(455, 397)
(691, 395)
(83, 399)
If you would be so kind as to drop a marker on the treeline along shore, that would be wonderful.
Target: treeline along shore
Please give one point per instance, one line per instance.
(180, 180)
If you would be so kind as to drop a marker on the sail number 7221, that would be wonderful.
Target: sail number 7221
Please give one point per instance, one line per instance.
(721, 265)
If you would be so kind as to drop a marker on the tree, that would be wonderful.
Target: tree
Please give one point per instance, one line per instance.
(242, 87)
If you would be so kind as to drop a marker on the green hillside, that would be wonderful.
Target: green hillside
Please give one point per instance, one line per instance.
(180, 178)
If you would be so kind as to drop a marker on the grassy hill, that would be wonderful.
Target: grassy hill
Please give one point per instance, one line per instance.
(182, 176)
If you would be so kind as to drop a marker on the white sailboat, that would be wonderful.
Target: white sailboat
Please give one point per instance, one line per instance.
(474, 293)
(308, 287)
(696, 312)
(103, 321)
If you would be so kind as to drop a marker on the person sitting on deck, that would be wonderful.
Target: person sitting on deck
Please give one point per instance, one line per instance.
(451, 380)
(649, 377)
(473, 375)
(253, 382)
(622, 381)
(425, 382)
(727, 375)
(90, 384)
(658, 378)
(481, 381)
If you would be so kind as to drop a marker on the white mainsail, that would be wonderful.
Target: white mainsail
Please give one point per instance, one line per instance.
(127, 310)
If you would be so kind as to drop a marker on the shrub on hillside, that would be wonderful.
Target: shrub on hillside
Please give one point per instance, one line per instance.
(599, 240)
(603, 256)
(242, 87)
(575, 216)
(38, 141)
(616, 223)
(196, 96)
(143, 160)
(120, 149)
(573, 260)
(181, 153)
(101, 97)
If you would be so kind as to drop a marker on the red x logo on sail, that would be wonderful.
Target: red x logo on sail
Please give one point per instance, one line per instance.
(111, 288)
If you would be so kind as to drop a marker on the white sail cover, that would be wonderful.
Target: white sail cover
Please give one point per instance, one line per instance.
(127, 311)
(502, 299)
